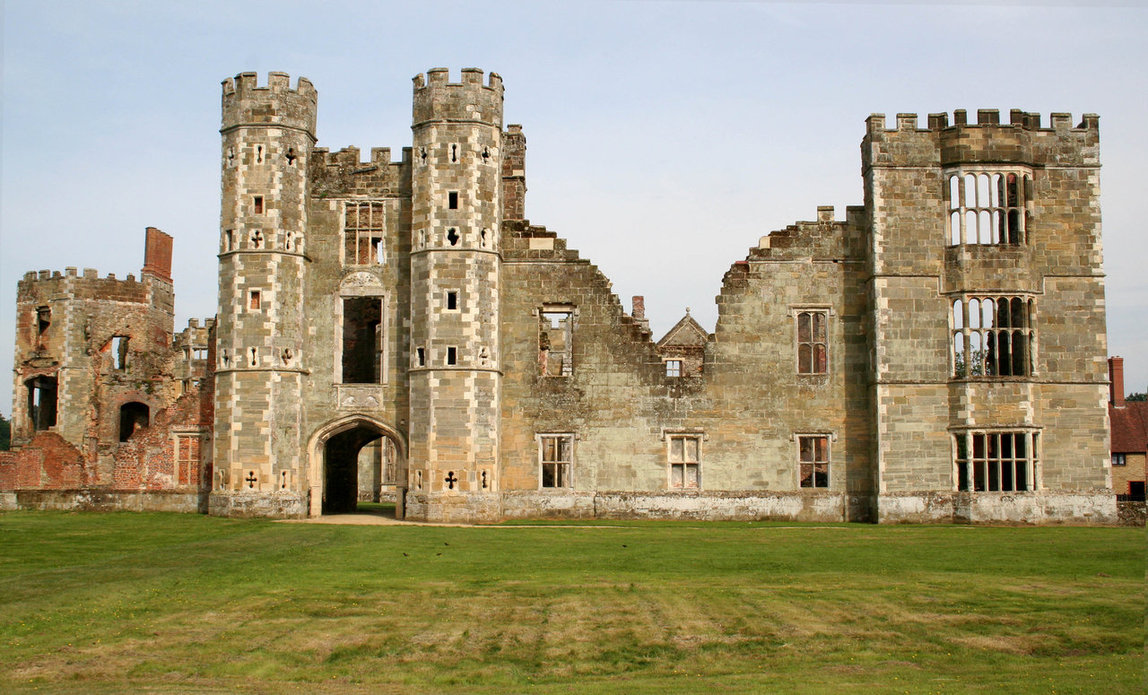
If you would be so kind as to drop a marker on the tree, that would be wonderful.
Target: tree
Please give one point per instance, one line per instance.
(1138, 397)
(5, 433)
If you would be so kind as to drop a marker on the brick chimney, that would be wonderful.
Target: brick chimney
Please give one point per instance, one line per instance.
(1116, 379)
(157, 254)
(639, 312)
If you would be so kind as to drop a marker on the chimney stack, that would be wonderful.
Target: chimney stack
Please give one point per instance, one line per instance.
(1116, 379)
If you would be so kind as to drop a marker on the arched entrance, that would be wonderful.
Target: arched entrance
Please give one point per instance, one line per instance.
(351, 459)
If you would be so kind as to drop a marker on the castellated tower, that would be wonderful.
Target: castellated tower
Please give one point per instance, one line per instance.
(455, 378)
(268, 133)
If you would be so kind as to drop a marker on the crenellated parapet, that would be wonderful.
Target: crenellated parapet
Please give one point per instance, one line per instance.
(340, 173)
(247, 103)
(436, 98)
(1023, 140)
(46, 285)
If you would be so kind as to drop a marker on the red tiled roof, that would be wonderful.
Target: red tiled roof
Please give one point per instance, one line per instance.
(1129, 427)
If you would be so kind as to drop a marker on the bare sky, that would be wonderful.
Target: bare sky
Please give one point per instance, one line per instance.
(664, 138)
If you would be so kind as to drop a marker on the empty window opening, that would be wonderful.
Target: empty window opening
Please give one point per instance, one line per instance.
(254, 300)
(120, 352)
(452, 301)
(812, 344)
(362, 340)
(259, 154)
(483, 239)
(454, 153)
(421, 357)
(42, 392)
(133, 417)
(452, 355)
(685, 461)
(555, 341)
(992, 336)
(813, 461)
(364, 228)
(1000, 461)
(452, 236)
(987, 207)
(452, 200)
(258, 205)
(673, 367)
(199, 353)
(291, 156)
(229, 240)
(1135, 491)
(43, 319)
(289, 240)
(556, 456)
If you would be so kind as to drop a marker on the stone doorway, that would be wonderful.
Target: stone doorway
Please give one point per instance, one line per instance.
(357, 466)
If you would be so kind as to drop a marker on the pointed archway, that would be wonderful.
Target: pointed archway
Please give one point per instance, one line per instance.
(334, 464)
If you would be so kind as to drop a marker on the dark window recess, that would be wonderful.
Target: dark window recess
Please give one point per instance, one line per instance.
(452, 355)
(258, 205)
(452, 200)
(452, 301)
(421, 355)
(452, 236)
(362, 340)
(42, 402)
(134, 416)
(43, 319)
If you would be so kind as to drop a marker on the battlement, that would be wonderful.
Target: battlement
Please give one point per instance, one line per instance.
(48, 285)
(1026, 120)
(471, 77)
(1023, 140)
(436, 98)
(245, 102)
(352, 156)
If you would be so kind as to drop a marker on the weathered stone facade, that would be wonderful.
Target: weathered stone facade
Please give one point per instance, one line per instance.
(110, 408)
(936, 355)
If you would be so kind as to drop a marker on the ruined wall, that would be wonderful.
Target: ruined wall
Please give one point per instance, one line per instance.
(129, 392)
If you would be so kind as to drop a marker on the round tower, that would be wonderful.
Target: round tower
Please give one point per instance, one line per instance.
(455, 382)
(268, 134)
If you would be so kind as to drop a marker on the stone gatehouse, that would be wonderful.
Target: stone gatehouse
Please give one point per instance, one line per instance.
(936, 354)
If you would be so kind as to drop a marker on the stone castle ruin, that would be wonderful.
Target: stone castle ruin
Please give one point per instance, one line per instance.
(400, 330)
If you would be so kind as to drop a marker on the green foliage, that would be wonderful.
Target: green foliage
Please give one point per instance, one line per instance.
(176, 603)
(5, 433)
(1138, 397)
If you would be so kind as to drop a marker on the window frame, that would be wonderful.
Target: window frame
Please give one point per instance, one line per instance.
(990, 339)
(1119, 459)
(812, 343)
(993, 206)
(827, 461)
(682, 483)
(675, 367)
(374, 251)
(967, 463)
(562, 477)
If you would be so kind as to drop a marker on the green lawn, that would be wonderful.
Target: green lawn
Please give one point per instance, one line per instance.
(177, 603)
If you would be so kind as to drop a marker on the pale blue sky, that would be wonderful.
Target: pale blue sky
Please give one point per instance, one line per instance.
(664, 137)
